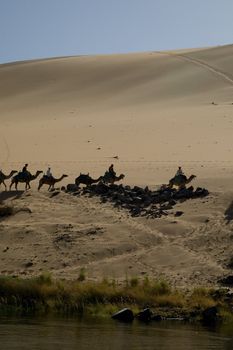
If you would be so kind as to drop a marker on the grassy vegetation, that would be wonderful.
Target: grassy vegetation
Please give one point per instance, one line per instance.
(44, 294)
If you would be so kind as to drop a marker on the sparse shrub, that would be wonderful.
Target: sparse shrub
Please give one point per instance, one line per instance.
(45, 278)
(82, 275)
(134, 282)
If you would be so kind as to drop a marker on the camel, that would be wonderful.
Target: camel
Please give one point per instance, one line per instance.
(27, 178)
(4, 177)
(86, 179)
(45, 180)
(108, 179)
(181, 181)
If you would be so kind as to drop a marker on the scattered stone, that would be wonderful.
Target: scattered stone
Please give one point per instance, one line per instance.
(227, 281)
(54, 194)
(178, 213)
(28, 264)
(141, 202)
(72, 188)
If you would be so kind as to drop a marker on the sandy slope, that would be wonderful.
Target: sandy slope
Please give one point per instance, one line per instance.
(154, 111)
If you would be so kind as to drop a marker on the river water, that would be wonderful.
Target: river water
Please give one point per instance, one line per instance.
(73, 334)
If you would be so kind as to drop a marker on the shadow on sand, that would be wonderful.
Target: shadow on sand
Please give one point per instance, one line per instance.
(229, 213)
(10, 194)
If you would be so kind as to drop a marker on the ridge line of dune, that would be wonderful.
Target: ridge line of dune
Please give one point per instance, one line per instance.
(202, 64)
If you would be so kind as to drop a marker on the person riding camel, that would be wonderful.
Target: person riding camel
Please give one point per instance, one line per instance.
(25, 170)
(111, 171)
(179, 171)
(48, 172)
(24, 173)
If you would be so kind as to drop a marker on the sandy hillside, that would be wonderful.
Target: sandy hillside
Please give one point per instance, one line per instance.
(155, 111)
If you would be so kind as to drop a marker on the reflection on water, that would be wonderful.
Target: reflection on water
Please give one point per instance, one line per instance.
(69, 334)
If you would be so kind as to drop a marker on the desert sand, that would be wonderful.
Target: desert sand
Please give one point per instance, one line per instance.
(155, 111)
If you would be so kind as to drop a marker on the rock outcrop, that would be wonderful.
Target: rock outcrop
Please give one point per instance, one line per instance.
(141, 201)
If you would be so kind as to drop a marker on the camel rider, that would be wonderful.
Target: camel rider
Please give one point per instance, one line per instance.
(111, 171)
(25, 170)
(179, 171)
(48, 172)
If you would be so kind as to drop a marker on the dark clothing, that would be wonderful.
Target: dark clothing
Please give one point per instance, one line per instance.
(111, 171)
(24, 169)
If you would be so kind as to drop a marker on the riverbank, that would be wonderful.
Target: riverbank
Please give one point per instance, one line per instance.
(45, 295)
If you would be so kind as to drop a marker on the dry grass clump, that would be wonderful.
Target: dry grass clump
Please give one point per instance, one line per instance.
(201, 298)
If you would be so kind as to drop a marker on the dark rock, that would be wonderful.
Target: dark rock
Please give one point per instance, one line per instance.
(178, 213)
(144, 315)
(28, 264)
(54, 194)
(184, 193)
(230, 264)
(156, 318)
(72, 188)
(137, 200)
(227, 281)
(210, 316)
(124, 315)
(166, 206)
(201, 192)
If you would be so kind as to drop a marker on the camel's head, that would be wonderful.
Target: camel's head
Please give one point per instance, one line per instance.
(13, 172)
(64, 175)
(121, 176)
(193, 177)
(39, 172)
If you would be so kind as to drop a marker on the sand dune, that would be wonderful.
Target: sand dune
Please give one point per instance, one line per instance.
(155, 111)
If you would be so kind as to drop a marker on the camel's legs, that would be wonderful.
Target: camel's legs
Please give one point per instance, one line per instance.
(4, 185)
(40, 185)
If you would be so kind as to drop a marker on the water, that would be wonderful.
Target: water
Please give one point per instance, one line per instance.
(70, 334)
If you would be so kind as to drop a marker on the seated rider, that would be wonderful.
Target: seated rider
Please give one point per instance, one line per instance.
(179, 172)
(48, 172)
(111, 171)
(25, 170)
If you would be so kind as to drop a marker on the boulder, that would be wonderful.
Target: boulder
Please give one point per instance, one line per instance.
(72, 188)
(156, 318)
(124, 315)
(209, 316)
(144, 315)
